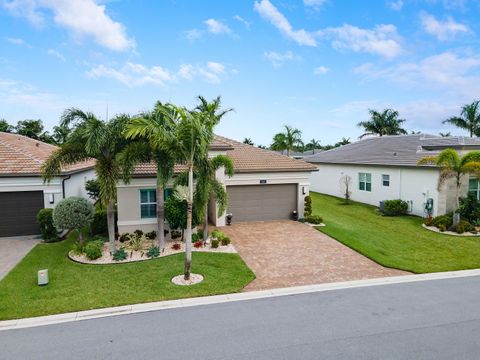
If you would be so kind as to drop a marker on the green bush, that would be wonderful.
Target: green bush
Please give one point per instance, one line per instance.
(214, 244)
(445, 221)
(176, 214)
(462, 226)
(225, 241)
(469, 208)
(124, 237)
(73, 213)
(119, 255)
(45, 220)
(308, 206)
(99, 224)
(195, 237)
(153, 252)
(217, 234)
(93, 249)
(314, 219)
(151, 235)
(138, 232)
(395, 207)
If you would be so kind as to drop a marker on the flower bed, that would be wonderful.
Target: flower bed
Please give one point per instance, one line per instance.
(446, 232)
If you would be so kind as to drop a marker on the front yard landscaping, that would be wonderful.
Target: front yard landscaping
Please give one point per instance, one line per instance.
(397, 242)
(75, 286)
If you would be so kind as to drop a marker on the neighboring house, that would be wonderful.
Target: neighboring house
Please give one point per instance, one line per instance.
(385, 168)
(22, 190)
(300, 154)
(266, 186)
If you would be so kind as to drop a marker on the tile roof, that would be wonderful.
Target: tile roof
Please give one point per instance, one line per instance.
(401, 150)
(20, 155)
(246, 159)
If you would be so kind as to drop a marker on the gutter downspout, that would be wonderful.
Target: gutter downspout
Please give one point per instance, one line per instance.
(63, 184)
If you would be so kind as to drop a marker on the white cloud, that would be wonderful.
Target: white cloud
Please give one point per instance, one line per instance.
(382, 40)
(278, 59)
(442, 30)
(277, 19)
(212, 73)
(84, 18)
(243, 21)
(56, 54)
(17, 41)
(217, 27)
(193, 34)
(24, 95)
(396, 5)
(320, 70)
(315, 4)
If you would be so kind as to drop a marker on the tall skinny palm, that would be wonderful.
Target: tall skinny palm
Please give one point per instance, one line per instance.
(288, 140)
(92, 139)
(382, 123)
(145, 150)
(454, 166)
(469, 119)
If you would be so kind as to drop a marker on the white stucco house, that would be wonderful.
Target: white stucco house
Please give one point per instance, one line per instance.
(22, 190)
(385, 168)
(266, 186)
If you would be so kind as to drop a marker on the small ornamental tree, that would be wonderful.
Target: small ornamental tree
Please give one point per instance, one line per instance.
(345, 187)
(45, 220)
(73, 213)
(308, 206)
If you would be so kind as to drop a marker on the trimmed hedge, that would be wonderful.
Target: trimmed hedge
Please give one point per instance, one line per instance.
(395, 207)
(45, 220)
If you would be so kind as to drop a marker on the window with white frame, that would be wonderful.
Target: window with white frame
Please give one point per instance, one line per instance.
(386, 180)
(365, 181)
(474, 187)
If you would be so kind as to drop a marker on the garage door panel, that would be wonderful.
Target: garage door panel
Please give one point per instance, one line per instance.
(18, 212)
(262, 202)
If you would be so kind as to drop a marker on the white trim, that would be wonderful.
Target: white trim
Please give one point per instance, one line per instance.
(147, 221)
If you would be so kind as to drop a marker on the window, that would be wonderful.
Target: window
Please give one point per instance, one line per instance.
(386, 180)
(365, 181)
(474, 188)
(148, 202)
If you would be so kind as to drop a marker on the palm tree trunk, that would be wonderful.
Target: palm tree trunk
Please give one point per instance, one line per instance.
(456, 215)
(160, 212)
(205, 224)
(111, 225)
(188, 239)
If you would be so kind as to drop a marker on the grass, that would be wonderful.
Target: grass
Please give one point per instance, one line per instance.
(75, 287)
(396, 242)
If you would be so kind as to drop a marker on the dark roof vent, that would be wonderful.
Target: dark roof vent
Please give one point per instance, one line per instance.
(394, 154)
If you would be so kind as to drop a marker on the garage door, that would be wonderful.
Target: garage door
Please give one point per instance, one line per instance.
(18, 212)
(262, 202)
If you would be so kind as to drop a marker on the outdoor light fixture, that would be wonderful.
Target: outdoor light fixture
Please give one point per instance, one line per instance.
(229, 218)
(303, 190)
(51, 198)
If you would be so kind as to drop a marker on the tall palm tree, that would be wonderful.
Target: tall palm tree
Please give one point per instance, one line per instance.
(92, 138)
(144, 150)
(313, 145)
(454, 166)
(288, 140)
(469, 119)
(382, 123)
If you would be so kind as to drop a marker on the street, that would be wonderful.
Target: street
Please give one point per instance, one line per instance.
(436, 319)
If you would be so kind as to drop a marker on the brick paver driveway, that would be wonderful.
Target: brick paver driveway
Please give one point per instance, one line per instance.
(288, 253)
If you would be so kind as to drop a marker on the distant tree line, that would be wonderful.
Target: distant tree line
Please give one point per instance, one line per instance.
(36, 130)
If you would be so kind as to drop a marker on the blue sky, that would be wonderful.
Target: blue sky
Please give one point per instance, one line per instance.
(318, 65)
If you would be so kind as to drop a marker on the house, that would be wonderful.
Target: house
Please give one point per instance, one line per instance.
(22, 190)
(385, 168)
(300, 154)
(266, 186)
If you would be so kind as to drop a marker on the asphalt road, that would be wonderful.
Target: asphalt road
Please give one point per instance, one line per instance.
(438, 319)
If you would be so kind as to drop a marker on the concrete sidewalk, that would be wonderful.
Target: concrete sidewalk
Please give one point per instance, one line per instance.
(14, 249)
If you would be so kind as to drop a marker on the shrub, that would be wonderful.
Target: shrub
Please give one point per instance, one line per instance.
(176, 234)
(462, 227)
(45, 220)
(153, 252)
(176, 214)
(136, 242)
(93, 189)
(195, 237)
(217, 234)
(124, 237)
(442, 227)
(151, 235)
(138, 232)
(469, 208)
(428, 221)
(395, 207)
(314, 219)
(214, 244)
(176, 246)
(225, 241)
(445, 221)
(119, 255)
(99, 223)
(73, 213)
(78, 248)
(308, 205)
(198, 244)
(93, 249)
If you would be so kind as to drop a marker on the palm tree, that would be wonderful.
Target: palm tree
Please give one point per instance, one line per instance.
(92, 139)
(248, 141)
(344, 141)
(454, 166)
(469, 119)
(144, 150)
(288, 140)
(382, 123)
(445, 134)
(313, 145)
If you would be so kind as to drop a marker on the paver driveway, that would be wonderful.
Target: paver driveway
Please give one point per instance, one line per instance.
(12, 250)
(288, 253)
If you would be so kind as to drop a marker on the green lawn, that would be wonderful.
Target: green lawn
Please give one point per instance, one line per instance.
(396, 242)
(76, 286)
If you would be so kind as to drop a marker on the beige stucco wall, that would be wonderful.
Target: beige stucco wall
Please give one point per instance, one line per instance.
(447, 194)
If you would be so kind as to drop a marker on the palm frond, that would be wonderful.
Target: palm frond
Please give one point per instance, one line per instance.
(67, 154)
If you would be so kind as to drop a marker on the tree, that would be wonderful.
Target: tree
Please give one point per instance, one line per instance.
(344, 141)
(143, 129)
(345, 187)
(444, 134)
(92, 138)
(248, 141)
(382, 123)
(313, 145)
(469, 119)
(5, 126)
(30, 128)
(92, 187)
(73, 213)
(288, 140)
(454, 166)
(60, 134)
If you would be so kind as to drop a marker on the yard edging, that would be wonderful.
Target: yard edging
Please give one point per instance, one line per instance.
(216, 299)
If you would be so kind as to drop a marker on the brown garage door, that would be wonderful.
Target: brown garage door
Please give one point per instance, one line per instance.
(262, 202)
(18, 212)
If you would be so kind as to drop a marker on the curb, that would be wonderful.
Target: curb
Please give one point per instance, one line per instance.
(216, 299)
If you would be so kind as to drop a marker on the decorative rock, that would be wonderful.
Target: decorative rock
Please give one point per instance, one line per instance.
(194, 279)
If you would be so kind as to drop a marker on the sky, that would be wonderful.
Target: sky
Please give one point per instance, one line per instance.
(317, 65)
